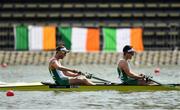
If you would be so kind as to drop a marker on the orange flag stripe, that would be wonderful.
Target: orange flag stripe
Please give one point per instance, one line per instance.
(136, 39)
(49, 37)
(93, 40)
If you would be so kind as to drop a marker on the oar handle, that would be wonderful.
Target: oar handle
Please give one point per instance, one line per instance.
(86, 75)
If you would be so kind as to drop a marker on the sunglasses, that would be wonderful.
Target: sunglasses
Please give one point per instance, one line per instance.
(62, 52)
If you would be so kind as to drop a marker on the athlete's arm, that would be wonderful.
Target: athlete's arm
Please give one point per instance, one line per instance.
(124, 66)
(67, 71)
(71, 74)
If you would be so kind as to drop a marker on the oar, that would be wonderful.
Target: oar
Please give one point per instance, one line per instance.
(169, 85)
(156, 71)
(101, 79)
(149, 78)
(91, 76)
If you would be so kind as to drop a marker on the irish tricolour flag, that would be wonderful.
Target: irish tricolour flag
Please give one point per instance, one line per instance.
(81, 39)
(116, 38)
(35, 37)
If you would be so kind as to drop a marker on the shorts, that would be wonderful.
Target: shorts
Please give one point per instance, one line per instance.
(62, 81)
(131, 82)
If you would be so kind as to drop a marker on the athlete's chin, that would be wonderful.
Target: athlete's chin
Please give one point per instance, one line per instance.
(60, 57)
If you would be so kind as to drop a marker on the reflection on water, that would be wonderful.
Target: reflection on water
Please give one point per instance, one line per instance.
(88, 100)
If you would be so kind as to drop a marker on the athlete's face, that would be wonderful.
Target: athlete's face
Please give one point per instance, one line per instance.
(129, 55)
(61, 54)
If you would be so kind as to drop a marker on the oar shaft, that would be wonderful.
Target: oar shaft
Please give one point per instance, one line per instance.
(150, 79)
(155, 81)
(169, 85)
(85, 74)
(100, 79)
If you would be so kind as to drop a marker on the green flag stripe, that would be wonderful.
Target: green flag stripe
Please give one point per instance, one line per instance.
(21, 38)
(65, 33)
(109, 39)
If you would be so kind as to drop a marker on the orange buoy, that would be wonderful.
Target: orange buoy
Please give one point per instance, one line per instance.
(10, 93)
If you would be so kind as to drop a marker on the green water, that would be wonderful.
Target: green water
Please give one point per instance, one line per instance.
(105, 100)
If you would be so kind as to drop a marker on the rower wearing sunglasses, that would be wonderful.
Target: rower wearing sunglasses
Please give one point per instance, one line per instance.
(127, 76)
(63, 75)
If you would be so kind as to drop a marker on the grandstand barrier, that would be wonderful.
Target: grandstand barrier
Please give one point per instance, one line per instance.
(146, 58)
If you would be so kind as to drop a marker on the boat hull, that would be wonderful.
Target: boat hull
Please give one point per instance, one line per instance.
(123, 88)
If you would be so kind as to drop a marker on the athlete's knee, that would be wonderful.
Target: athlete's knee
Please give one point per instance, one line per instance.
(83, 77)
(84, 80)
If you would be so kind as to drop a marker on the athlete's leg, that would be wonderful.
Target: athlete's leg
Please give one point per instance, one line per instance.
(144, 82)
(80, 80)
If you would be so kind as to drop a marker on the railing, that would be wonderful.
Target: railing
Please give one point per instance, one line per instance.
(146, 58)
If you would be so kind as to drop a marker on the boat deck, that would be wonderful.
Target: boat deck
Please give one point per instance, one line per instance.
(38, 86)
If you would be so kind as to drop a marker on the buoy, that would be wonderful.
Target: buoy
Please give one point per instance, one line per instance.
(4, 65)
(10, 93)
(157, 71)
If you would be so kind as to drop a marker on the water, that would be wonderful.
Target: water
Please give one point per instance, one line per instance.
(105, 100)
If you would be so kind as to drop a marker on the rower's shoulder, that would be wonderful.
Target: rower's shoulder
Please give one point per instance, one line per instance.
(52, 60)
(122, 61)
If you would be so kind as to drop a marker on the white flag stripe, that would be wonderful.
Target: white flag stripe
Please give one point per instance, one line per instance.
(122, 38)
(30, 38)
(78, 39)
(35, 38)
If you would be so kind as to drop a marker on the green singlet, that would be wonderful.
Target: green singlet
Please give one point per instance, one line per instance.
(59, 77)
(125, 79)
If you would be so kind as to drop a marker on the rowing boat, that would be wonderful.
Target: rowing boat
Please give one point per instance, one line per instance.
(39, 86)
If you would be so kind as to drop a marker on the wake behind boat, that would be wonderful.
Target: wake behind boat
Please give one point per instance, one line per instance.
(45, 86)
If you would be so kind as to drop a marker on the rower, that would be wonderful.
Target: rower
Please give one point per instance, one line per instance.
(127, 76)
(63, 75)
